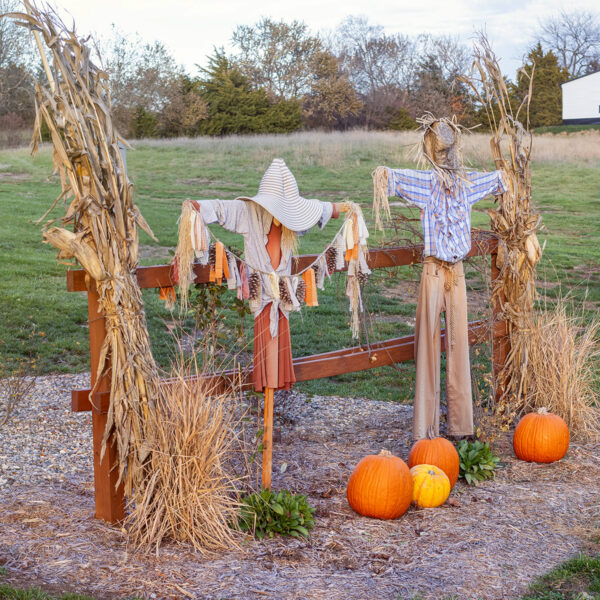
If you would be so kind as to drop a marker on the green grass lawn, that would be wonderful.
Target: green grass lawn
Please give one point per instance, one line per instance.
(38, 315)
(576, 579)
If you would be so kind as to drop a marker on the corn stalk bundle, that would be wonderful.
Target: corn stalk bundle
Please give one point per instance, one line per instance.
(514, 222)
(99, 206)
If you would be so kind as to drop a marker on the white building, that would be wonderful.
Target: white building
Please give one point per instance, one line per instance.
(581, 100)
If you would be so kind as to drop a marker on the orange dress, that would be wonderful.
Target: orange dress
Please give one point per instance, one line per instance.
(273, 365)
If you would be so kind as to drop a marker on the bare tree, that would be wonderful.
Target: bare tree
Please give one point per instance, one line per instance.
(434, 87)
(143, 77)
(574, 37)
(372, 59)
(17, 67)
(379, 66)
(277, 56)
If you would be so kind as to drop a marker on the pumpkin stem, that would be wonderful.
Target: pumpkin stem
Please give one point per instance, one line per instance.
(542, 410)
(385, 453)
(430, 434)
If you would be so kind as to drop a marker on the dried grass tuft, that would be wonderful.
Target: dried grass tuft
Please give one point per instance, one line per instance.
(196, 465)
(562, 361)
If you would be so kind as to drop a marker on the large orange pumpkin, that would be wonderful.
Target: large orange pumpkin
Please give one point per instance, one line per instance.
(431, 486)
(380, 486)
(541, 437)
(436, 451)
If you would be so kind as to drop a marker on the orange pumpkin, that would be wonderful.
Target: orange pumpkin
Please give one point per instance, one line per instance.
(431, 486)
(380, 486)
(436, 451)
(541, 437)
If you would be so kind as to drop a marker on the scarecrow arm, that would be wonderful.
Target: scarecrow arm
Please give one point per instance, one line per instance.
(413, 186)
(229, 214)
(484, 184)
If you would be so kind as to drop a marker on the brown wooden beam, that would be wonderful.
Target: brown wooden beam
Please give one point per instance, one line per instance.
(315, 366)
(162, 275)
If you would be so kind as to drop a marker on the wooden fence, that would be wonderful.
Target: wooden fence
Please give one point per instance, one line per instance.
(110, 502)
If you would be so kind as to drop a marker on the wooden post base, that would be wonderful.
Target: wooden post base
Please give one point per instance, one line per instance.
(267, 463)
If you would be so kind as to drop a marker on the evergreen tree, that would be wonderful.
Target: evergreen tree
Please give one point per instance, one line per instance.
(545, 107)
(233, 106)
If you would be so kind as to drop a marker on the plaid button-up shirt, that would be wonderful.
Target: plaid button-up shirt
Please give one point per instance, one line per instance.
(445, 213)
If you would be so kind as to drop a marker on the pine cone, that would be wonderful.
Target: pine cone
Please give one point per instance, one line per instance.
(212, 255)
(301, 291)
(331, 257)
(254, 286)
(284, 291)
(363, 278)
(316, 269)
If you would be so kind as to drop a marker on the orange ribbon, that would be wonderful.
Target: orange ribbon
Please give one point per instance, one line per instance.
(219, 251)
(311, 288)
(352, 253)
(167, 293)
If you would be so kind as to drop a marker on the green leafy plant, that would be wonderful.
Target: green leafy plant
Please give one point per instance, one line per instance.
(477, 462)
(266, 513)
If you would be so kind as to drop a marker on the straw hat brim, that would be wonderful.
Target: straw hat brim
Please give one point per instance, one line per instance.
(299, 214)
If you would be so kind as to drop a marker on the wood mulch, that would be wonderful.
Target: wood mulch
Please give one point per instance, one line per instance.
(490, 543)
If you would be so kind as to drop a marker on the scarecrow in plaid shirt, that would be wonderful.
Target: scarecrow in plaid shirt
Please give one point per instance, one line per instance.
(444, 194)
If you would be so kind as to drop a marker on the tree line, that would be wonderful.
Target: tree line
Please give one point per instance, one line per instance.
(280, 77)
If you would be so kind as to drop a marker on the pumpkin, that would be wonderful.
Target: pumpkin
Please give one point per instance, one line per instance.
(436, 451)
(380, 486)
(431, 486)
(541, 437)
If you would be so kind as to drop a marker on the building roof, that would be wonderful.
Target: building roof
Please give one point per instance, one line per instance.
(580, 77)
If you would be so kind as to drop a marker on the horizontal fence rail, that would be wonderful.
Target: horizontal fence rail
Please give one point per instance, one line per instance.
(315, 366)
(378, 258)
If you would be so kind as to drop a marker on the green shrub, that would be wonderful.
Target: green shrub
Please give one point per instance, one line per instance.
(266, 513)
(477, 462)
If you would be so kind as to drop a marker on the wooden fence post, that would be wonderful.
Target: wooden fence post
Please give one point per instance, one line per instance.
(500, 342)
(110, 499)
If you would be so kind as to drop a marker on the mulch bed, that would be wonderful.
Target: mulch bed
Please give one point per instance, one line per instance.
(490, 544)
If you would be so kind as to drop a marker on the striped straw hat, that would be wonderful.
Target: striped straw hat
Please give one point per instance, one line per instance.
(278, 194)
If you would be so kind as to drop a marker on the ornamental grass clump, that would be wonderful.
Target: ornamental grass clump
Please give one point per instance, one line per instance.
(563, 355)
(196, 465)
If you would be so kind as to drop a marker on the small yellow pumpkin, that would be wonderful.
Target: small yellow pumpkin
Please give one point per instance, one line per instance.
(438, 451)
(431, 486)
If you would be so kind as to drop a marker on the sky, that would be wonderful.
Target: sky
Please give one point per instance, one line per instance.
(191, 28)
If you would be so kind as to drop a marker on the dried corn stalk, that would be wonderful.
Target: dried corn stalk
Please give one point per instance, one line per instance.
(76, 108)
(514, 222)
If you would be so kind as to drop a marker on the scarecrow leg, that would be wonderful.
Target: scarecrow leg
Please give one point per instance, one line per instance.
(267, 439)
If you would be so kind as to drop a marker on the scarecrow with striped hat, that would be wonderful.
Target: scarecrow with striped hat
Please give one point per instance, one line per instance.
(270, 223)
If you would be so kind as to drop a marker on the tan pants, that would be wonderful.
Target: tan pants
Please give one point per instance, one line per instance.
(442, 289)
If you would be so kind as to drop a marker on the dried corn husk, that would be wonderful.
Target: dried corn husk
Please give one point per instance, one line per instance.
(514, 222)
(381, 204)
(76, 109)
(532, 246)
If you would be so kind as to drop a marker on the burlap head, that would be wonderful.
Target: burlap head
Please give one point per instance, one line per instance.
(440, 145)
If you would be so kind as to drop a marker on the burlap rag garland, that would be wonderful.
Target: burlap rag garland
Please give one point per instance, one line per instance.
(348, 245)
